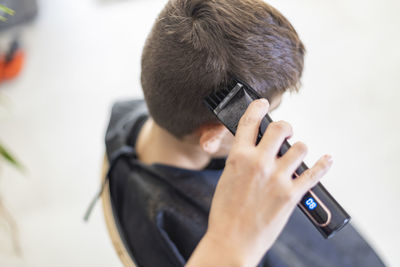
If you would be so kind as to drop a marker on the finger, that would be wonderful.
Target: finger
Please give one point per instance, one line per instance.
(274, 136)
(292, 159)
(249, 123)
(310, 177)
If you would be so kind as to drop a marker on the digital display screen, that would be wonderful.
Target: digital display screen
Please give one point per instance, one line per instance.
(310, 203)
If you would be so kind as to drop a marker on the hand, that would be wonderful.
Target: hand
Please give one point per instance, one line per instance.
(256, 193)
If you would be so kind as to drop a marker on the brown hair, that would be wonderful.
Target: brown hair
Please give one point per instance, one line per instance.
(196, 46)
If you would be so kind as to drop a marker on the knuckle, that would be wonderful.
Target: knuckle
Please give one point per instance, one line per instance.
(311, 174)
(276, 125)
(247, 120)
(285, 193)
(301, 147)
(232, 162)
(324, 165)
(259, 166)
(281, 126)
(237, 158)
(278, 175)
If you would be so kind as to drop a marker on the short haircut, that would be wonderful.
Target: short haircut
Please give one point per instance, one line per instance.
(197, 46)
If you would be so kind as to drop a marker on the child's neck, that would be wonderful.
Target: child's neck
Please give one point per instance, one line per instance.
(156, 145)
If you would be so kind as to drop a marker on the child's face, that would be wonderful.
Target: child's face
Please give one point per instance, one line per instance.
(227, 139)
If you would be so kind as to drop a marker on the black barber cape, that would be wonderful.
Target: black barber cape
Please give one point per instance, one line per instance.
(161, 211)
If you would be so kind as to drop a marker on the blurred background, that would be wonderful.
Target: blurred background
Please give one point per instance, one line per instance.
(78, 56)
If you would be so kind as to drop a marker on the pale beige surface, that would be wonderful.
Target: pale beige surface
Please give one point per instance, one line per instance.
(116, 239)
(83, 55)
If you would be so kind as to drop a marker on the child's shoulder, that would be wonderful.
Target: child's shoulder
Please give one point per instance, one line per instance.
(130, 107)
(124, 116)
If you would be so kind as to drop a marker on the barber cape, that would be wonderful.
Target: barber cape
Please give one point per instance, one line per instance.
(161, 211)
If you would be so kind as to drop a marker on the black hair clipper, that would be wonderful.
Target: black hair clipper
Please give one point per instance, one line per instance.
(229, 104)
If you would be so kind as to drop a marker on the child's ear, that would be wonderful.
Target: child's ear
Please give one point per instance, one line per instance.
(211, 138)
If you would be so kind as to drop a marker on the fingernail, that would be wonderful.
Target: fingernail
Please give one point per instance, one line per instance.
(329, 158)
(264, 100)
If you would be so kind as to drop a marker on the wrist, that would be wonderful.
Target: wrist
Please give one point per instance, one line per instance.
(232, 251)
(215, 251)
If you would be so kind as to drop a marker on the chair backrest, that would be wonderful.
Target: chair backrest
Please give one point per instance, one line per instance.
(110, 221)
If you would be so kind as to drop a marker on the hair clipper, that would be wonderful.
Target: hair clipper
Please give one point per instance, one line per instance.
(229, 104)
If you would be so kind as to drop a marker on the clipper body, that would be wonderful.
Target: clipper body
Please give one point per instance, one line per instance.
(229, 104)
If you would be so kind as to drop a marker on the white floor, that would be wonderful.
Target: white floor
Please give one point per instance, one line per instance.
(83, 55)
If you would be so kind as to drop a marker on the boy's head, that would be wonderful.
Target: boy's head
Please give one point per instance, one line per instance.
(196, 46)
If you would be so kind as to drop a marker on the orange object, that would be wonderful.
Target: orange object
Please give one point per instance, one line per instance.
(2, 64)
(11, 63)
(13, 67)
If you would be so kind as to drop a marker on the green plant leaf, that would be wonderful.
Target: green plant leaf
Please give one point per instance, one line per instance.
(9, 158)
(7, 10)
